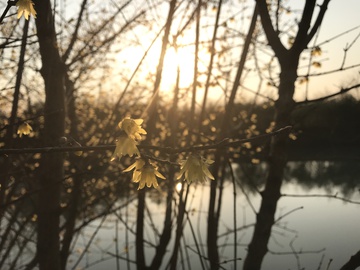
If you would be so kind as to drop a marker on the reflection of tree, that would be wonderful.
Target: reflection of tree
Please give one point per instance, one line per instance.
(343, 174)
(308, 174)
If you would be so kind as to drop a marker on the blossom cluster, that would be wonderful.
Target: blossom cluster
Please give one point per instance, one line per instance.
(144, 173)
(126, 143)
(24, 129)
(26, 8)
(193, 169)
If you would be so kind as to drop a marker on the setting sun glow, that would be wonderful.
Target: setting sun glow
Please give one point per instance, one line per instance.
(182, 59)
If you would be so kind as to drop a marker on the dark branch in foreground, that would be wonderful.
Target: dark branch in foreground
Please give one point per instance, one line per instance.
(170, 150)
(353, 263)
(7, 8)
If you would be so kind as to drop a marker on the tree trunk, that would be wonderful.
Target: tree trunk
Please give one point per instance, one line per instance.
(220, 162)
(277, 162)
(139, 249)
(52, 72)
(288, 60)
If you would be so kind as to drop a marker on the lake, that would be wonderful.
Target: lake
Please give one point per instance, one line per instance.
(313, 232)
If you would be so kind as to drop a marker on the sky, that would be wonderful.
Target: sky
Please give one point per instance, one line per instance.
(340, 16)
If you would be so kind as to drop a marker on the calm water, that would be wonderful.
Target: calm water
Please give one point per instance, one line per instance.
(323, 229)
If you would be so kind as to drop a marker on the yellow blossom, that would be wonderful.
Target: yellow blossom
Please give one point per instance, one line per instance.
(125, 146)
(144, 174)
(292, 136)
(26, 7)
(195, 169)
(137, 165)
(255, 161)
(316, 51)
(76, 144)
(24, 129)
(132, 127)
(303, 80)
(316, 64)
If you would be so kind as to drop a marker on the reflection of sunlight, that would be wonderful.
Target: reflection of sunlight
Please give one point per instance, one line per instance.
(178, 186)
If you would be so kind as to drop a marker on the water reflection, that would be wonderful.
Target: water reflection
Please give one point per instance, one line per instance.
(344, 175)
(309, 232)
(326, 174)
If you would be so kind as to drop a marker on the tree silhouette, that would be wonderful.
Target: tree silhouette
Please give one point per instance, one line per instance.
(63, 79)
(288, 60)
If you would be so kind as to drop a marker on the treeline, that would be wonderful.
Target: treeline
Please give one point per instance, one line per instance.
(331, 123)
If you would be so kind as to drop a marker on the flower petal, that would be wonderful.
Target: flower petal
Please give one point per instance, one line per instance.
(128, 169)
(158, 174)
(138, 121)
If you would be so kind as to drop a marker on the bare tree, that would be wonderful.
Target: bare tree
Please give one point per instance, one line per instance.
(288, 60)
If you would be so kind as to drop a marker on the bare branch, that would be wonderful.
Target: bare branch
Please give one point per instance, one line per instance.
(288, 213)
(7, 8)
(332, 71)
(318, 21)
(300, 252)
(342, 91)
(334, 196)
(270, 32)
(75, 34)
(301, 39)
(347, 48)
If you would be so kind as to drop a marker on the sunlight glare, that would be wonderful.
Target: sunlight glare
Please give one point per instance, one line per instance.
(178, 186)
(182, 58)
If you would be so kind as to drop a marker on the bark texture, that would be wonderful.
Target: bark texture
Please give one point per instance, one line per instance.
(52, 71)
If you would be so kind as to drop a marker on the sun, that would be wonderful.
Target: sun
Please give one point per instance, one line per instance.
(176, 60)
(181, 59)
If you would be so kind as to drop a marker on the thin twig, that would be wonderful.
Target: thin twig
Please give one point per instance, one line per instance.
(7, 8)
(333, 196)
(342, 91)
(328, 266)
(196, 243)
(300, 252)
(90, 241)
(295, 253)
(321, 261)
(288, 213)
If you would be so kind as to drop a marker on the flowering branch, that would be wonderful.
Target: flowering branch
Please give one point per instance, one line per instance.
(223, 143)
